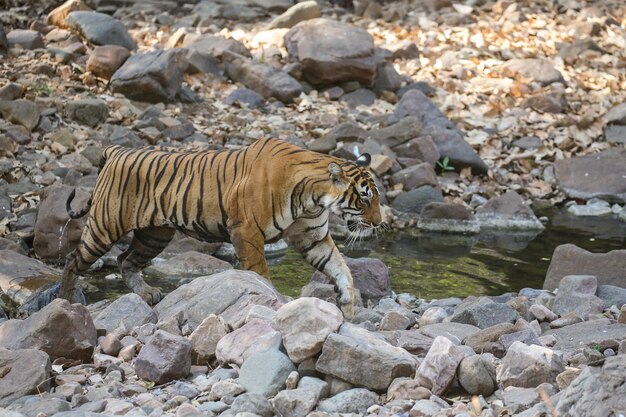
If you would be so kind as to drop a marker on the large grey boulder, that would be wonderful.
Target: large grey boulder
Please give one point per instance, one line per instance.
(164, 358)
(230, 294)
(332, 52)
(597, 391)
(151, 76)
(364, 358)
(447, 137)
(262, 78)
(265, 373)
(600, 175)
(305, 324)
(124, 314)
(60, 329)
(100, 29)
(609, 268)
(24, 372)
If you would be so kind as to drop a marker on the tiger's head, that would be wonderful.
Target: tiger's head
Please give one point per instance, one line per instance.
(359, 200)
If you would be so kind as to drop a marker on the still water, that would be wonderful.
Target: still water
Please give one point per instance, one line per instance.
(436, 265)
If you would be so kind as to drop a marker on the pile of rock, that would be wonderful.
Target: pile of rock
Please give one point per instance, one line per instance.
(228, 343)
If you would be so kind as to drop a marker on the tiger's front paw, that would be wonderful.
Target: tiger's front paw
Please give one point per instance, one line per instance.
(347, 304)
(150, 295)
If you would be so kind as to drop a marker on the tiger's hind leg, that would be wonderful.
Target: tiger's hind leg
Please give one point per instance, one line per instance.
(146, 245)
(89, 250)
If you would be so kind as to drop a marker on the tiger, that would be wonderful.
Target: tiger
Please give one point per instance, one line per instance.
(250, 196)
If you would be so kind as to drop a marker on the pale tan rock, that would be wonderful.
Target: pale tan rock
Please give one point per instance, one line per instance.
(205, 337)
(304, 324)
(57, 16)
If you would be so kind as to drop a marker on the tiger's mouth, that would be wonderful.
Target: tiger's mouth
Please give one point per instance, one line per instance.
(353, 224)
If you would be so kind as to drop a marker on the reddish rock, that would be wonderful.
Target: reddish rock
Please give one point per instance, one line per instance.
(106, 59)
(164, 358)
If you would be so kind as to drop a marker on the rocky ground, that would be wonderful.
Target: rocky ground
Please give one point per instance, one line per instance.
(475, 113)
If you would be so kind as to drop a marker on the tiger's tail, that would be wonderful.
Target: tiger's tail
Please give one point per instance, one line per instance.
(68, 204)
(76, 214)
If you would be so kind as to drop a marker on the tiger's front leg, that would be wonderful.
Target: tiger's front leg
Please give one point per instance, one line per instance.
(250, 248)
(322, 253)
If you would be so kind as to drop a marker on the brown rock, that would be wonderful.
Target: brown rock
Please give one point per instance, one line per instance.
(554, 102)
(599, 175)
(60, 329)
(111, 345)
(332, 52)
(370, 275)
(106, 59)
(608, 268)
(436, 210)
(415, 177)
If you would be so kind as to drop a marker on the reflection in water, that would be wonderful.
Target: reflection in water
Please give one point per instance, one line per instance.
(437, 265)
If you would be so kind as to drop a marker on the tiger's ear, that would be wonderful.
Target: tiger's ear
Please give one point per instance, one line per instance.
(336, 172)
(364, 160)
